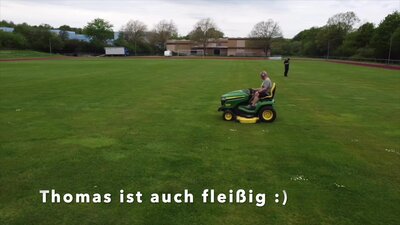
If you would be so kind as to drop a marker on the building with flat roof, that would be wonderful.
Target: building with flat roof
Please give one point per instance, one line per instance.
(217, 47)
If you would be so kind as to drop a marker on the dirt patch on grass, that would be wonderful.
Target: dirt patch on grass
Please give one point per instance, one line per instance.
(34, 59)
(365, 64)
(135, 57)
(384, 66)
(173, 57)
(200, 57)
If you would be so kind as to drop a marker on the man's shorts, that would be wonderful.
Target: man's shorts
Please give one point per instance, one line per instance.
(262, 94)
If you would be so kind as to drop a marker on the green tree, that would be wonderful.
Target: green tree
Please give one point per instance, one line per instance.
(5, 23)
(72, 46)
(99, 30)
(281, 46)
(40, 38)
(142, 47)
(263, 33)
(355, 43)
(134, 32)
(203, 31)
(295, 48)
(68, 28)
(385, 34)
(395, 48)
(334, 32)
(307, 39)
(343, 21)
(365, 33)
(162, 32)
(12, 41)
(349, 46)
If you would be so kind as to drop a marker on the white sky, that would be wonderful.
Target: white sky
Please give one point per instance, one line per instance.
(235, 18)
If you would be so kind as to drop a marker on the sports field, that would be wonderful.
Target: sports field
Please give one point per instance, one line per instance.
(101, 125)
(20, 54)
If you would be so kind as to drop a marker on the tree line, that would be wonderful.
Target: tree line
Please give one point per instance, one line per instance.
(337, 38)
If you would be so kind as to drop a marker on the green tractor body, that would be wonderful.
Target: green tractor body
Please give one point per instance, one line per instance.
(235, 103)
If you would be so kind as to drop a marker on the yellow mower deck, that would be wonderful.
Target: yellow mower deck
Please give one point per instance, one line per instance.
(247, 120)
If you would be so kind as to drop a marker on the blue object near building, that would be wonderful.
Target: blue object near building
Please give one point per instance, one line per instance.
(71, 35)
(7, 29)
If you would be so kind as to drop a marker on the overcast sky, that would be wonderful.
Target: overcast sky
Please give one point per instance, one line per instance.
(235, 18)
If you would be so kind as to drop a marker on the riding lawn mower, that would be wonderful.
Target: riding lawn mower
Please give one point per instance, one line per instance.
(234, 106)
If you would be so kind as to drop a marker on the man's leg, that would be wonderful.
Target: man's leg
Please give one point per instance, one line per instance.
(253, 95)
(286, 71)
(255, 99)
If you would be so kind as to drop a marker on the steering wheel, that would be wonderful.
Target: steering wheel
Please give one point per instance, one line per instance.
(252, 91)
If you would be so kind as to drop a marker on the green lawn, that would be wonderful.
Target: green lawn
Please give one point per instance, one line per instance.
(101, 125)
(19, 54)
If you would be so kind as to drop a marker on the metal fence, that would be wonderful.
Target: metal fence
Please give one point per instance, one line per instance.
(370, 60)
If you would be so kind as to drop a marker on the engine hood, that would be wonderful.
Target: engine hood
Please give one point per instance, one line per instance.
(235, 94)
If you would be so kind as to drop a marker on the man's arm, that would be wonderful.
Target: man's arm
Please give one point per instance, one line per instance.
(263, 89)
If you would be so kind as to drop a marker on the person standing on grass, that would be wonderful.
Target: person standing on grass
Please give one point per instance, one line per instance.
(265, 90)
(286, 63)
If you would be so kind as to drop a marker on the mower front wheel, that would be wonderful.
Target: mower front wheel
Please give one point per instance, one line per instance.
(228, 115)
(267, 114)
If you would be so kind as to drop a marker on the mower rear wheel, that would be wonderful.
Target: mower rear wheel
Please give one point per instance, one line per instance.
(267, 114)
(228, 115)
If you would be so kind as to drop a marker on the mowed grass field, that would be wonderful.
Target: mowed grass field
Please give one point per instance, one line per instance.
(20, 54)
(101, 125)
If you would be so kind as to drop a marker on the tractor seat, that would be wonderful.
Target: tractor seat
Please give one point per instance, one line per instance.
(271, 95)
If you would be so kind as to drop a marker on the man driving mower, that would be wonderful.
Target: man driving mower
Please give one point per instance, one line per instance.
(265, 90)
